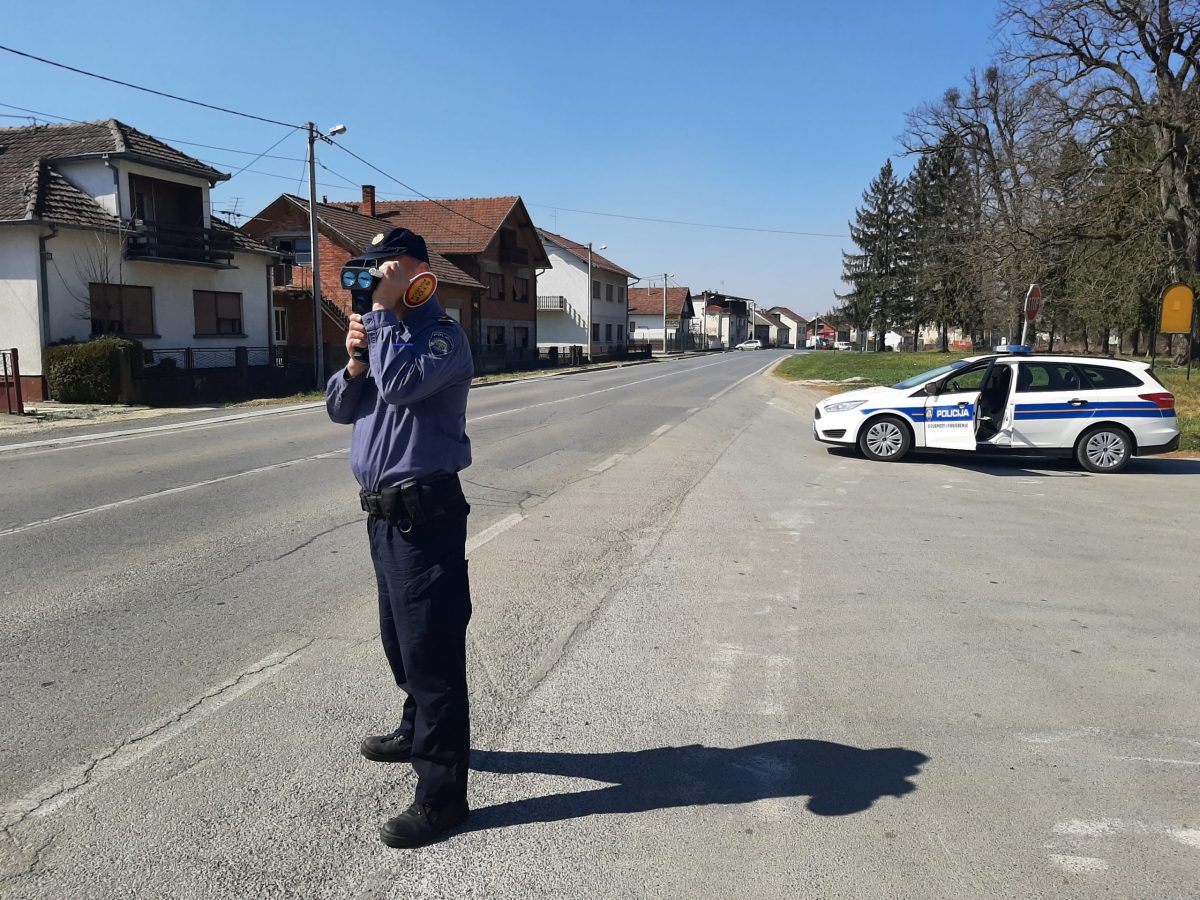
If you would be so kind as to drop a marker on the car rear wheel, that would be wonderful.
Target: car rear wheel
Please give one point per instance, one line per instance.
(885, 439)
(1104, 449)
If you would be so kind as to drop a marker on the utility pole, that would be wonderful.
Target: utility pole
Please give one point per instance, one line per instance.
(587, 335)
(665, 276)
(318, 331)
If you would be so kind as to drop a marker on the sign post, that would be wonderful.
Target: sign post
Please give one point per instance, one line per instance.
(1177, 310)
(1033, 306)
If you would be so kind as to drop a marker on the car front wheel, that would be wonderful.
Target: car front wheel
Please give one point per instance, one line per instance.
(1104, 449)
(885, 439)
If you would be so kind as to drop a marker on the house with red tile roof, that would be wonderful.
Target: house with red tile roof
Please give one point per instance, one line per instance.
(583, 291)
(796, 323)
(494, 241)
(342, 233)
(646, 315)
(108, 230)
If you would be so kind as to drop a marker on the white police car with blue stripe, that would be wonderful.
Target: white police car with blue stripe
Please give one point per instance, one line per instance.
(1101, 411)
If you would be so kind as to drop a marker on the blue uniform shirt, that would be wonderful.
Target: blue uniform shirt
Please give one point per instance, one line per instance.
(409, 409)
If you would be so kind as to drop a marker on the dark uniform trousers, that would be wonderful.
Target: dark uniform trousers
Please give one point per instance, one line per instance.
(424, 608)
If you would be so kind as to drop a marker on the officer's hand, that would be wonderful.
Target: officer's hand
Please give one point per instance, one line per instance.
(356, 336)
(392, 286)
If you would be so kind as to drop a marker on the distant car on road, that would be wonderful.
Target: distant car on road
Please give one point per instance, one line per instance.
(1101, 411)
(842, 345)
(749, 345)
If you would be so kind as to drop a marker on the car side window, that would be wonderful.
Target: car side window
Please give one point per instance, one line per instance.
(1102, 378)
(968, 380)
(1037, 377)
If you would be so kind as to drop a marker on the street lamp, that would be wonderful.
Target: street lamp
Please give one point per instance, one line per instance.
(314, 249)
(588, 325)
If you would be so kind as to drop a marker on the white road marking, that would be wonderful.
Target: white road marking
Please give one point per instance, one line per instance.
(1088, 828)
(662, 429)
(53, 795)
(104, 507)
(1079, 865)
(1188, 836)
(158, 429)
(607, 464)
(615, 387)
(493, 531)
(727, 389)
(1155, 759)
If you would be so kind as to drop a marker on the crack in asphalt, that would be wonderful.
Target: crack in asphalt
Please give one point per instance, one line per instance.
(319, 534)
(85, 778)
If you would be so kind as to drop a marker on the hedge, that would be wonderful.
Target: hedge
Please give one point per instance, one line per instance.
(87, 372)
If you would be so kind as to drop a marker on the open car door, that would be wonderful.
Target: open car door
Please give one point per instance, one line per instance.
(951, 412)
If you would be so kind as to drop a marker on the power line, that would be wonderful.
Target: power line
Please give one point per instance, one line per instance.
(286, 135)
(138, 87)
(48, 116)
(591, 212)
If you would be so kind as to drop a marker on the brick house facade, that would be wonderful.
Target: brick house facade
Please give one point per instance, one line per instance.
(342, 233)
(493, 241)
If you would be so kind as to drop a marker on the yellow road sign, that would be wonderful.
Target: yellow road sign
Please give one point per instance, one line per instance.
(1177, 302)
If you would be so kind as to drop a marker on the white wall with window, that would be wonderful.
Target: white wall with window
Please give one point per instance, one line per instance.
(161, 304)
(565, 325)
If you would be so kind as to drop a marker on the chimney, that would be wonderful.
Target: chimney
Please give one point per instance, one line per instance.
(368, 200)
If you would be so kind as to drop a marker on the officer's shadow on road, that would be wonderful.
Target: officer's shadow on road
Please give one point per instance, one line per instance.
(837, 779)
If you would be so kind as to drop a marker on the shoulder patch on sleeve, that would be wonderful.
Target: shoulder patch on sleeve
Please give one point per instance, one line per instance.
(440, 343)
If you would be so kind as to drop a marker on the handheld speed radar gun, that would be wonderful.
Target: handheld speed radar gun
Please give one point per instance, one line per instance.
(361, 277)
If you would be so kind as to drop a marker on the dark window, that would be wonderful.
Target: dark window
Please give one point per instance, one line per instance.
(217, 312)
(166, 203)
(608, 292)
(520, 336)
(281, 325)
(1048, 376)
(121, 309)
(496, 286)
(521, 290)
(969, 380)
(595, 290)
(620, 332)
(608, 331)
(632, 326)
(495, 335)
(595, 331)
(1103, 378)
(298, 248)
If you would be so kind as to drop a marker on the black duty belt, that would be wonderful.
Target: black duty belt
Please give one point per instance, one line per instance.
(412, 504)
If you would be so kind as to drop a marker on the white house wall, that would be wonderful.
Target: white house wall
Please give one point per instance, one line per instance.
(568, 277)
(97, 179)
(172, 285)
(20, 315)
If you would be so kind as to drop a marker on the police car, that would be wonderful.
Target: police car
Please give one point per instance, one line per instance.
(1101, 411)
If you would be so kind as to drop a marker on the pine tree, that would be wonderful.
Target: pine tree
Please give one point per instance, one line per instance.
(877, 273)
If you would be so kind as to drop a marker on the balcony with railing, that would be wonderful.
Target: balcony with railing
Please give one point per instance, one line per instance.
(176, 243)
(551, 303)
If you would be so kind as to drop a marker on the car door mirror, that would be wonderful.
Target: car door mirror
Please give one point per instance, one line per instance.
(932, 389)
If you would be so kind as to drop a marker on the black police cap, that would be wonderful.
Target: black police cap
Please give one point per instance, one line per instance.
(397, 242)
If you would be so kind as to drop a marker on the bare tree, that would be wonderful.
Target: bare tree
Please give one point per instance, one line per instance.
(1116, 64)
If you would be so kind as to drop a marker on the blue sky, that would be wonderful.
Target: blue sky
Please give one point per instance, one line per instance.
(766, 114)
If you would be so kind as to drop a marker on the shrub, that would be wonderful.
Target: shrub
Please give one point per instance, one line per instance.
(87, 372)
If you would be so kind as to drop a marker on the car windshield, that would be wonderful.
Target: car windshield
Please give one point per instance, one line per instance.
(916, 380)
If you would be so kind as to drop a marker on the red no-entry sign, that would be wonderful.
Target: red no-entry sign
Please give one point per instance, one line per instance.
(1033, 302)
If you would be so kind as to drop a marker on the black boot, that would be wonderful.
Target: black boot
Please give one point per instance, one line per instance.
(394, 747)
(419, 825)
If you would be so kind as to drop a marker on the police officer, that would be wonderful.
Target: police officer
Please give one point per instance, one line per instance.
(408, 405)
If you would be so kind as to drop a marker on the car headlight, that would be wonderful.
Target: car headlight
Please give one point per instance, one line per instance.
(844, 406)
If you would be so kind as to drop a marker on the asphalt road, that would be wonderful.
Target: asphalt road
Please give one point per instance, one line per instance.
(708, 657)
